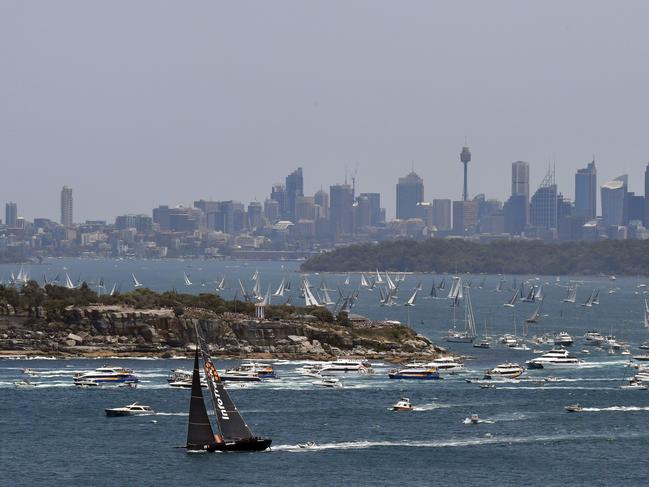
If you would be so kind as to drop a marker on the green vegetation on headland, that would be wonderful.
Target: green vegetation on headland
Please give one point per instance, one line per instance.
(618, 257)
(59, 321)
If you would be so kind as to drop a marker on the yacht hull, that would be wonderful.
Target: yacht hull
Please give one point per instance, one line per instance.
(247, 445)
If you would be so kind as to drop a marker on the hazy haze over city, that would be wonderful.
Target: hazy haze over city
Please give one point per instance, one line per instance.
(136, 104)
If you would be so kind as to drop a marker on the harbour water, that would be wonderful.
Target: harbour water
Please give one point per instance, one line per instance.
(56, 434)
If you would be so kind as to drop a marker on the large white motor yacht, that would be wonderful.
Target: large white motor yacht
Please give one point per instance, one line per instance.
(563, 339)
(447, 364)
(345, 365)
(130, 410)
(509, 370)
(107, 375)
(557, 357)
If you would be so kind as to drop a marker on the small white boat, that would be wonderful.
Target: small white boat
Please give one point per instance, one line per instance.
(23, 384)
(402, 405)
(473, 419)
(134, 409)
(574, 408)
(329, 382)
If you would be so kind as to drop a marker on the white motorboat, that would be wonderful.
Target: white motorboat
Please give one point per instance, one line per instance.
(557, 357)
(402, 405)
(182, 379)
(641, 358)
(510, 370)
(107, 375)
(23, 384)
(473, 419)
(130, 410)
(329, 382)
(345, 366)
(312, 370)
(447, 364)
(574, 408)
(563, 339)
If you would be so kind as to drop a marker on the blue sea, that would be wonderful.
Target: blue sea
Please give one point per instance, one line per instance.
(56, 434)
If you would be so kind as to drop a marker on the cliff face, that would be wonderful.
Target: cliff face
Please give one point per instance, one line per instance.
(121, 330)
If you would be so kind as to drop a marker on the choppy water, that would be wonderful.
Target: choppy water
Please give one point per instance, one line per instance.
(55, 434)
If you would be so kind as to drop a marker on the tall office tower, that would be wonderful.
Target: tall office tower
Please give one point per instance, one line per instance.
(465, 217)
(442, 214)
(543, 205)
(66, 206)
(515, 212)
(321, 199)
(586, 192)
(11, 214)
(305, 208)
(341, 209)
(362, 212)
(614, 200)
(374, 200)
(271, 210)
(465, 158)
(255, 215)
(646, 197)
(521, 179)
(278, 193)
(410, 192)
(294, 188)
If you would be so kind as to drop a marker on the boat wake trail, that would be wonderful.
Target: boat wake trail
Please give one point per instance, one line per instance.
(451, 443)
(432, 406)
(616, 408)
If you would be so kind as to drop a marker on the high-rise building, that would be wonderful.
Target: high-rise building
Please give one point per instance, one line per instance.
(614, 200)
(255, 215)
(305, 208)
(465, 158)
(341, 201)
(410, 192)
(321, 198)
(515, 213)
(362, 212)
(543, 205)
(646, 197)
(11, 214)
(278, 193)
(521, 179)
(465, 217)
(586, 192)
(271, 210)
(66, 206)
(294, 188)
(442, 214)
(374, 201)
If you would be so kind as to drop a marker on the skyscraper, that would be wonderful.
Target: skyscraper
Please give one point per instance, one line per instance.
(646, 196)
(341, 210)
(613, 201)
(519, 204)
(586, 192)
(66, 206)
(321, 199)
(374, 200)
(521, 179)
(543, 206)
(294, 188)
(410, 192)
(11, 214)
(442, 214)
(465, 158)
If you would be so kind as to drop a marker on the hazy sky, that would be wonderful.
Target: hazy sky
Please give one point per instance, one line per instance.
(139, 103)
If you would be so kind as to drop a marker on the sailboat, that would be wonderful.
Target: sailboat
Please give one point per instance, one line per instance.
(411, 300)
(589, 301)
(326, 298)
(68, 282)
(499, 286)
(539, 294)
(531, 296)
(378, 279)
(233, 432)
(280, 289)
(255, 276)
(309, 298)
(136, 283)
(571, 295)
(469, 333)
(221, 285)
(512, 301)
(112, 291)
(433, 291)
(364, 282)
(442, 285)
(536, 316)
(187, 281)
(595, 299)
(347, 280)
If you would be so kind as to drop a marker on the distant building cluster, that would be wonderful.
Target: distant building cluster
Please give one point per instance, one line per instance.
(288, 221)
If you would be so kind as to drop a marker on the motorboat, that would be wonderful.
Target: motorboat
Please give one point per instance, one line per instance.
(107, 375)
(509, 340)
(594, 338)
(23, 384)
(482, 344)
(557, 357)
(473, 419)
(264, 371)
(402, 404)
(447, 364)
(249, 372)
(459, 337)
(563, 339)
(509, 370)
(574, 408)
(641, 358)
(30, 372)
(235, 375)
(329, 382)
(134, 409)
(312, 370)
(415, 371)
(346, 366)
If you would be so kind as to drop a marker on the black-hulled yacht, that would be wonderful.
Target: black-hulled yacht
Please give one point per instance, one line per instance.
(233, 432)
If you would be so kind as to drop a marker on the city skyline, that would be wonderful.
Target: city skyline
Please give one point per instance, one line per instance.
(132, 121)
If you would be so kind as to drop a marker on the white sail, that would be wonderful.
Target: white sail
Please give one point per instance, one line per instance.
(68, 282)
(512, 301)
(411, 300)
(469, 317)
(326, 298)
(539, 293)
(255, 276)
(309, 298)
(136, 283)
(266, 300)
(221, 285)
(571, 296)
(187, 281)
(364, 281)
(112, 291)
(646, 313)
(347, 280)
(379, 280)
(456, 292)
(280, 289)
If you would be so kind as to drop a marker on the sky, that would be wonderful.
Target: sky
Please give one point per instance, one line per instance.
(137, 104)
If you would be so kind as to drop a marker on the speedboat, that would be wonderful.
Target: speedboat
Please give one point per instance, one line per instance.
(107, 375)
(415, 371)
(574, 408)
(641, 358)
(563, 339)
(510, 370)
(402, 405)
(593, 337)
(263, 371)
(473, 419)
(330, 382)
(130, 410)
(345, 366)
(482, 344)
(557, 357)
(23, 384)
(182, 379)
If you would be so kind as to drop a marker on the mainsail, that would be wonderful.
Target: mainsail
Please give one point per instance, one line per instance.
(199, 432)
